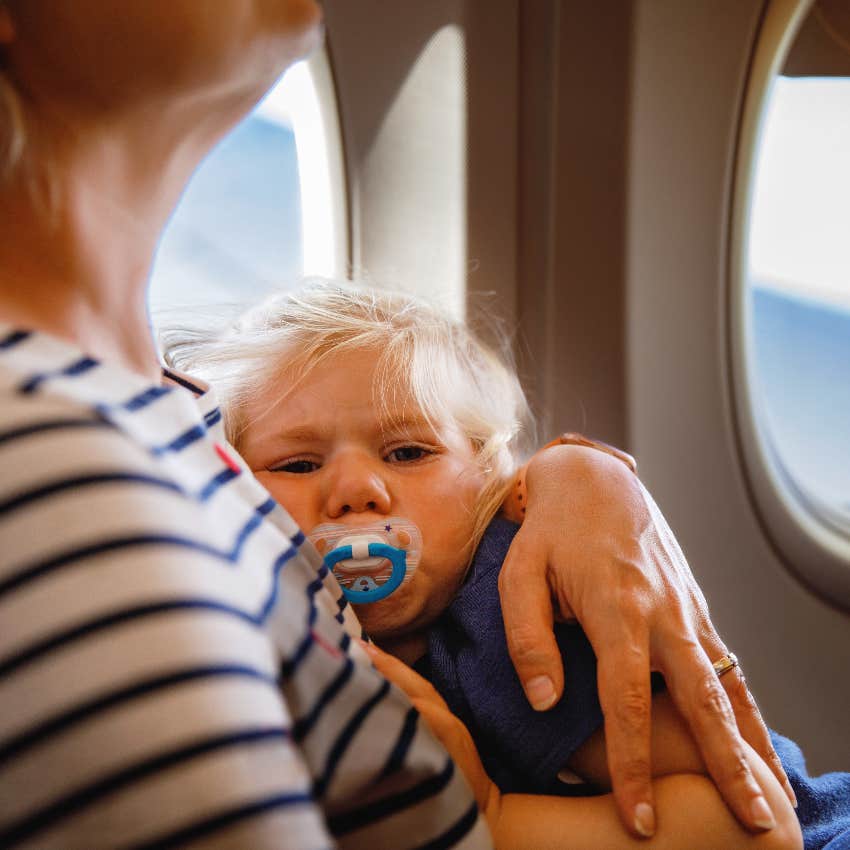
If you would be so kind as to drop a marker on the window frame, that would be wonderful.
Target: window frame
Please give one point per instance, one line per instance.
(804, 531)
(334, 181)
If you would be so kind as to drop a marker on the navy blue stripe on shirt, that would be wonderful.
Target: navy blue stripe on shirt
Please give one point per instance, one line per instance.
(13, 338)
(455, 833)
(201, 829)
(104, 547)
(60, 723)
(184, 382)
(345, 642)
(42, 568)
(304, 724)
(98, 624)
(52, 425)
(288, 667)
(209, 489)
(143, 399)
(279, 564)
(195, 433)
(252, 525)
(340, 745)
(94, 792)
(47, 490)
(78, 367)
(211, 417)
(388, 806)
(405, 739)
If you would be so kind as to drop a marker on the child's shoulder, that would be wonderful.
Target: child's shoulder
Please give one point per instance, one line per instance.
(491, 551)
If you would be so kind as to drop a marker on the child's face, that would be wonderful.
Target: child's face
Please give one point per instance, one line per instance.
(330, 454)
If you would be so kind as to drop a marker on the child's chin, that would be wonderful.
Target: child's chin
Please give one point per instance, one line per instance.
(384, 619)
(380, 623)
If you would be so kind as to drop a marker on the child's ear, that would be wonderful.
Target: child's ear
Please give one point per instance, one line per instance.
(403, 538)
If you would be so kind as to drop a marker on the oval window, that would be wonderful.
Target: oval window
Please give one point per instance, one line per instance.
(790, 297)
(264, 208)
(799, 282)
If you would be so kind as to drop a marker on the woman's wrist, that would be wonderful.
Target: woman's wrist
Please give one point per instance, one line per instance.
(514, 506)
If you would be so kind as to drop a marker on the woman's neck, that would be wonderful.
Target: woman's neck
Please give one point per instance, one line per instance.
(71, 274)
(76, 250)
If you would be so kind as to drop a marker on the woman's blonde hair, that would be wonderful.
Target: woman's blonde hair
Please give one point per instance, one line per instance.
(454, 378)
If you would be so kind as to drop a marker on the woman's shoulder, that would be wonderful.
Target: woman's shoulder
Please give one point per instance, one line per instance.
(61, 407)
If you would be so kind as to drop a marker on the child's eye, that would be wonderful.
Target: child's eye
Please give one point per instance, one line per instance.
(408, 454)
(298, 466)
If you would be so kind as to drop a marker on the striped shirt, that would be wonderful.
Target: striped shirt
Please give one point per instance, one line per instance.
(176, 665)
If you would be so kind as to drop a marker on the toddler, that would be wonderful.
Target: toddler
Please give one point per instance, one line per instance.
(398, 482)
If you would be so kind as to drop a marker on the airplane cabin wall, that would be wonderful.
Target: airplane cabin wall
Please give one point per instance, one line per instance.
(577, 159)
(690, 69)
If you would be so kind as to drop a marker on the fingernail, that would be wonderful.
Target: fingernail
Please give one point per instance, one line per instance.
(644, 820)
(762, 815)
(540, 692)
(789, 790)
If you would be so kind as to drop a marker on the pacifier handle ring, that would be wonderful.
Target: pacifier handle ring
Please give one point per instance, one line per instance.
(398, 559)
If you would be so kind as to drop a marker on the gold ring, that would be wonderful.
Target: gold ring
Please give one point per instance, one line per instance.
(725, 664)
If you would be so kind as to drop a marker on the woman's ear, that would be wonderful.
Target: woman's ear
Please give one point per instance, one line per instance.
(7, 25)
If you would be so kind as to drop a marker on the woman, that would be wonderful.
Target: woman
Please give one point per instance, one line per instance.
(164, 636)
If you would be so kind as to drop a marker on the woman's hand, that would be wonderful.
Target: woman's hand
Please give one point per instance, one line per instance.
(594, 546)
(447, 728)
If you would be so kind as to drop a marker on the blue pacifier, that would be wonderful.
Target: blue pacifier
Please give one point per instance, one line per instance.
(370, 562)
(365, 588)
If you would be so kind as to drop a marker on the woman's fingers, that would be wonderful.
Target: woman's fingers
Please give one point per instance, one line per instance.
(747, 715)
(699, 695)
(527, 614)
(402, 676)
(626, 699)
(753, 729)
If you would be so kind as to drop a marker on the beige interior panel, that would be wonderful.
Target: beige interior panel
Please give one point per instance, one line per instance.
(579, 163)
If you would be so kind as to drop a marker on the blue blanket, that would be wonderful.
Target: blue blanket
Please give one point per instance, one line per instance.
(823, 801)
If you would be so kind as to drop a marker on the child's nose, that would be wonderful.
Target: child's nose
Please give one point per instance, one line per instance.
(356, 485)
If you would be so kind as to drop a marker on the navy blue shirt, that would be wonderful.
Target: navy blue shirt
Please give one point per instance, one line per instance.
(523, 750)
(467, 661)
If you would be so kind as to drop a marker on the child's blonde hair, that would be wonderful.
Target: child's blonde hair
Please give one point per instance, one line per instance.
(453, 376)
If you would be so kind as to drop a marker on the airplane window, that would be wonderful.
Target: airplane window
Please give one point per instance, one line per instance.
(798, 272)
(263, 209)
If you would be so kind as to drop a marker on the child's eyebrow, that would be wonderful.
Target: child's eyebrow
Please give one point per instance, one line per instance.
(405, 424)
(301, 433)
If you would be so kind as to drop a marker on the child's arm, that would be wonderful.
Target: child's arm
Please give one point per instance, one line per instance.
(691, 813)
(691, 816)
